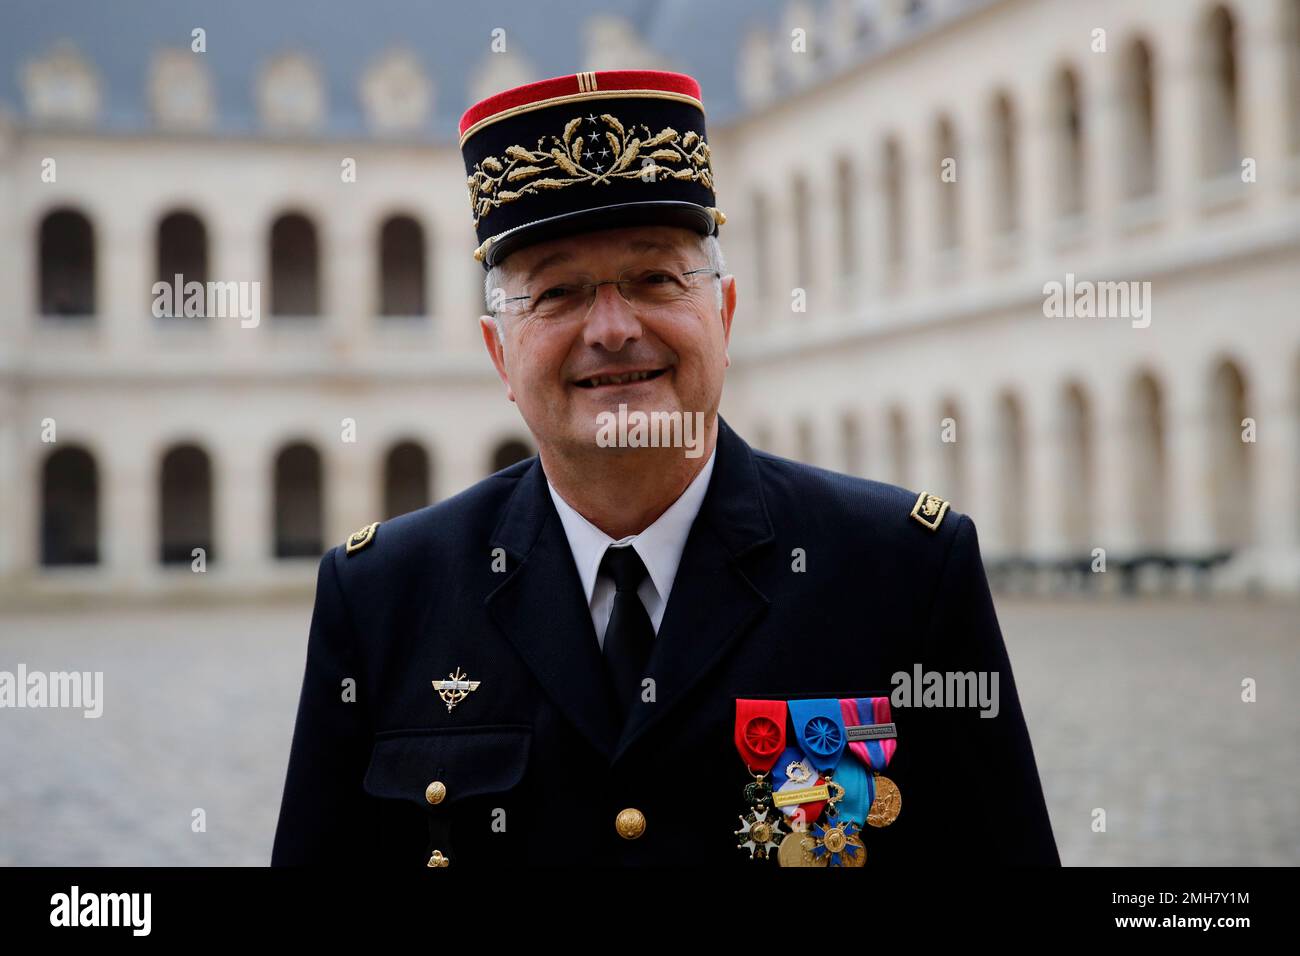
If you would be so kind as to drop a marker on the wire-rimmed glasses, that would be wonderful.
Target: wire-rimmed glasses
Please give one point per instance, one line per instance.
(645, 289)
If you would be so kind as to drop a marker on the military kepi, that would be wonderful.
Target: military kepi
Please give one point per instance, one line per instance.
(587, 151)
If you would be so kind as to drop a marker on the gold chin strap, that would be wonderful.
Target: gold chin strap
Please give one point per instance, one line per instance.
(719, 217)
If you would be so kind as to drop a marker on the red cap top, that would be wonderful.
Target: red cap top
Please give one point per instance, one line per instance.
(576, 85)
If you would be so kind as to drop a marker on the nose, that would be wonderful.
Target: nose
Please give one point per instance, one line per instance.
(611, 323)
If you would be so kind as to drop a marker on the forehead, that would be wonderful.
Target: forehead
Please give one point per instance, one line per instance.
(596, 250)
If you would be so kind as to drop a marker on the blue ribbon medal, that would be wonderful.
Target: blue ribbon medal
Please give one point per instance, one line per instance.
(819, 731)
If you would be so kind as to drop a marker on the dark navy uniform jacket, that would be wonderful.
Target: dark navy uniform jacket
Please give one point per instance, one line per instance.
(535, 767)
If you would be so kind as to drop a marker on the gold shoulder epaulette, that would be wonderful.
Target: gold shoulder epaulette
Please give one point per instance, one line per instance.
(359, 539)
(929, 510)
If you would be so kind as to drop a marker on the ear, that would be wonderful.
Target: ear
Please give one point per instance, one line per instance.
(728, 311)
(496, 351)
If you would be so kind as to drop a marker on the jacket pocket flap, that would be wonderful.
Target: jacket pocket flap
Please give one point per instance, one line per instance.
(467, 760)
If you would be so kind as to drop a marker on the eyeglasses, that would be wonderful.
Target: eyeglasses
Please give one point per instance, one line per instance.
(646, 290)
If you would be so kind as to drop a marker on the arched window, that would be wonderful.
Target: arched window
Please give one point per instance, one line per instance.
(900, 452)
(951, 453)
(69, 508)
(1147, 458)
(851, 443)
(67, 254)
(1006, 173)
(801, 213)
(805, 443)
(299, 502)
(182, 250)
(1230, 471)
(846, 201)
(406, 479)
(1067, 137)
(762, 247)
(1139, 112)
(1291, 39)
(892, 181)
(1221, 137)
(1078, 477)
(185, 505)
(946, 178)
(1012, 483)
(401, 268)
(510, 452)
(295, 266)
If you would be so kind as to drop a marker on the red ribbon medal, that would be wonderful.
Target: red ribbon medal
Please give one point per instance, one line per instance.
(760, 739)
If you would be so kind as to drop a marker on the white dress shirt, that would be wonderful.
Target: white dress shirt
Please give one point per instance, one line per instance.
(659, 546)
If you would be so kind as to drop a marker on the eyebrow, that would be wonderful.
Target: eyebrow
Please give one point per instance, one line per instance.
(636, 245)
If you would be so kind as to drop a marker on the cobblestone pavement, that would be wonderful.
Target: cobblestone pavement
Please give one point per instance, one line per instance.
(1133, 707)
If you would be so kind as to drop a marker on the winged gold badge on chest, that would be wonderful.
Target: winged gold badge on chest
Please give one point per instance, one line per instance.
(455, 689)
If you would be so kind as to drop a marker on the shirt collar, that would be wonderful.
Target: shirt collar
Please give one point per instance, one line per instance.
(659, 546)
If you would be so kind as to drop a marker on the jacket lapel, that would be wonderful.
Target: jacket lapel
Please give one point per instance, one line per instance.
(542, 609)
(712, 603)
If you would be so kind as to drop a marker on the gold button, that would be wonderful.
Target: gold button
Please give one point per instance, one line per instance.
(438, 860)
(435, 792)
(630, 823)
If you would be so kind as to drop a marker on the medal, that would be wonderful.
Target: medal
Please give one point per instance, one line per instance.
(760, 739)
(760, 832)
(796, 849)
(837, 842)
(820, 730)
(798, 790)
(873, 739)
(884, 809)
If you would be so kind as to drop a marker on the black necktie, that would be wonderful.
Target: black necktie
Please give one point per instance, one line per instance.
(629, 636)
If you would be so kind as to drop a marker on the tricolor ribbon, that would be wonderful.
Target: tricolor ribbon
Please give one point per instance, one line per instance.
(874, 753)
(804, 778)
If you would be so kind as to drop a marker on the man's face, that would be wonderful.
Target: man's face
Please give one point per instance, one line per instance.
(548, 364)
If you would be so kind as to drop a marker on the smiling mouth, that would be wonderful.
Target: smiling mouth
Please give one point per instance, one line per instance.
(626, 378)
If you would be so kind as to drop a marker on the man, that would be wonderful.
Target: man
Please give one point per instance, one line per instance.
(635, 651)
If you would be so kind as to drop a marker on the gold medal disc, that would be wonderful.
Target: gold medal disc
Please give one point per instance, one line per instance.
(855, 859)
(884, 809)
(796, 850)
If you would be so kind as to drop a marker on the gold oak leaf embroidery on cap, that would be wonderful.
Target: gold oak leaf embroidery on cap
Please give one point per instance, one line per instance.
(574, 159)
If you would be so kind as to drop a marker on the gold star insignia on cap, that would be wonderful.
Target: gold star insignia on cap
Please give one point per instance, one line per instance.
(929, 510)
(359, 539)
